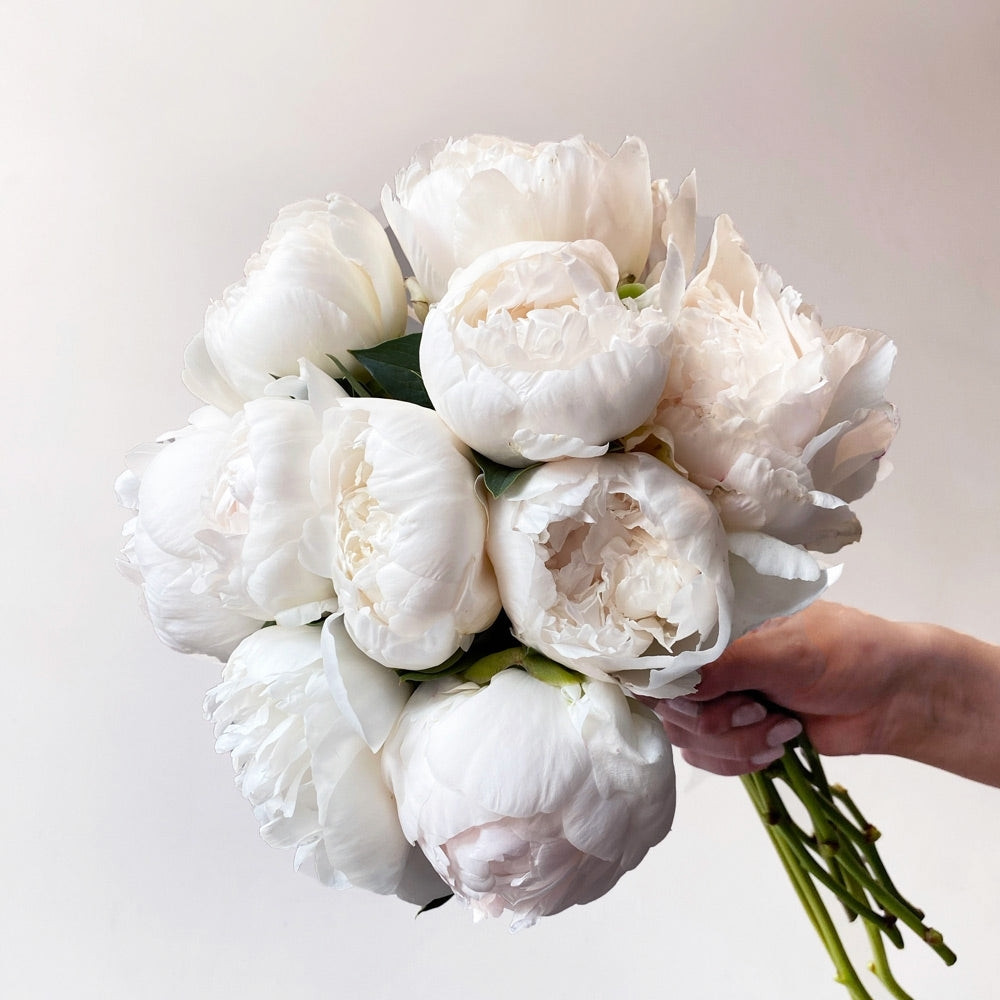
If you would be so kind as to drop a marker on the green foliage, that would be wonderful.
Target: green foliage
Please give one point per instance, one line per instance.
(497, 477)
(395, 366)
(353, 385)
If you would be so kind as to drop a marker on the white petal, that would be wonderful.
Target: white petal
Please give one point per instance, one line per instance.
(368, 695)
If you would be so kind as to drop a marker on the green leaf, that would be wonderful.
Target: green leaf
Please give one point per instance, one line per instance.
(357, 388)
(499, 478)
(395, 365)
(434, 904)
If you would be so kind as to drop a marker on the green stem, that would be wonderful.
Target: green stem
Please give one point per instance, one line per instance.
(482, 671)
(750, 782)
(767, 796)
(801, 782)
(855, 844)
(880, 887)
(874, 858)
(880, 965)
(899, 908)
(852, 903)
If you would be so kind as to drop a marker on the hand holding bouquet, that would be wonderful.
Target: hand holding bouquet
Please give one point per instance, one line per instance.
(443, 564)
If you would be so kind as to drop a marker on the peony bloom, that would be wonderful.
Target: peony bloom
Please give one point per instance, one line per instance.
(325, 282)
(616, 567)
(458, 199)
(781, 422)
(220, 507)
(526, 796)
(401, 531)
(164, 484)
(527, 332)
(314, 785)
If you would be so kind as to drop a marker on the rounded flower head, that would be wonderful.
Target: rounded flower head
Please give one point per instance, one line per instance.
(314, 784)
(220, 507)
(325, 282)
(616, 567)
(527, 796)
(401, 531)
(458, 199)
(527, 332)
(782, 422)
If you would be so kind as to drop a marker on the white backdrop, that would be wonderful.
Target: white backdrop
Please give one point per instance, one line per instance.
(145, 149)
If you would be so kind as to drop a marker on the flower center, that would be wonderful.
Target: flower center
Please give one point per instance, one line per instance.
(613, 576)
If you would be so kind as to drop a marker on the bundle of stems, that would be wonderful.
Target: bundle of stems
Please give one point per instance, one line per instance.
(839, 854)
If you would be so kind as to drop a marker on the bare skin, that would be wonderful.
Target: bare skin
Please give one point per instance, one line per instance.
(858, 683)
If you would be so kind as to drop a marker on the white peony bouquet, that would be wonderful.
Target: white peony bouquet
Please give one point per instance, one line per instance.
(448, 529)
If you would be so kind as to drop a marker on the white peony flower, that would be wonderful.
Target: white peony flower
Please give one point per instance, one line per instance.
(220, 509)
(458, 199)
(401, 531)
(325, 282)
(527, 796)
(616, 567)
(524, 335)
(781, 422)
(314, 785)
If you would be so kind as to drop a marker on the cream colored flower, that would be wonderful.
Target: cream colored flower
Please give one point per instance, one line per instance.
(401, 531)
(458, 199)
(781, 422)
(616, 567)
(529, 797)
(532, 356)
(325, 282)
(314, 785)
(220, 507)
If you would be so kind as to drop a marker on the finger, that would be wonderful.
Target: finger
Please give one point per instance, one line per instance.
(724, 766)
(749, 747)
(711, 718)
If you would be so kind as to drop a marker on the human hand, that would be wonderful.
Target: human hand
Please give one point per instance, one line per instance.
(835, 669)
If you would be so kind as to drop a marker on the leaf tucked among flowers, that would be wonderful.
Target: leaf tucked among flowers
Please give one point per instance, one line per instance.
(395, 365)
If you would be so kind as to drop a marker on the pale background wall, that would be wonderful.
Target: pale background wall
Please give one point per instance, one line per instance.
(146, 147)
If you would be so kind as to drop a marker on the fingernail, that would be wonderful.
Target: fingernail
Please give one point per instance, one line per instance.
(766, 757)
(685, 707)
(784, 731)
(747, 715)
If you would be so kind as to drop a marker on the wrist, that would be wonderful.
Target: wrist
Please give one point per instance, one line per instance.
(945, 704)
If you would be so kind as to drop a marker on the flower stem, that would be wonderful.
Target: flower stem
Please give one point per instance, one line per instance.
(750, 782)
(839, 854)
(764, 794)
(482, 671)
(880, 965)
